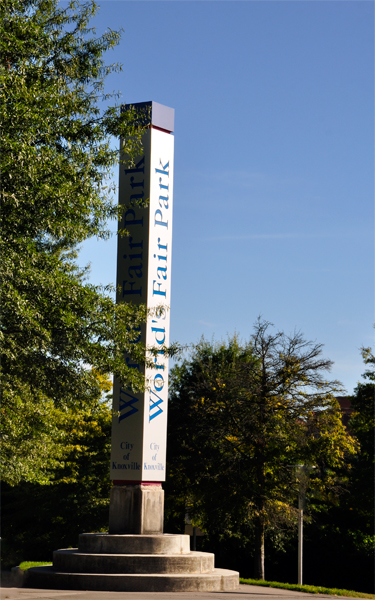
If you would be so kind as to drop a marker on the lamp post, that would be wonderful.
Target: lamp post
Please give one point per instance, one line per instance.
(302, 472)
(301, 499)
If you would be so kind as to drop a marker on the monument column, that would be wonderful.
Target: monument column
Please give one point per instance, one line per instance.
(142, 560)
(139, 422)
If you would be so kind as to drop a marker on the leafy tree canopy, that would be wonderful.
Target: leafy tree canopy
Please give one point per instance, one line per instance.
(37, 518)
(360, 500)
(241, 418)
(342, 531)
(55, 193)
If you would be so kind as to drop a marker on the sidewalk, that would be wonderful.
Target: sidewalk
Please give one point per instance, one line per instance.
(244, 592)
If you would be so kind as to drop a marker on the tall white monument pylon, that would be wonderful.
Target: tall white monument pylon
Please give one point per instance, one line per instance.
(139, 423)
(149, 562)
(143, 277)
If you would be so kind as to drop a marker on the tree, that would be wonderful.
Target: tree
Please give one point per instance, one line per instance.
(241, 418)
(37, 518)
(362, 426)
(55, 193)
(340, 541)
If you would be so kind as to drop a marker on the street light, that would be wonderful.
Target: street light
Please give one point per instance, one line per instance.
(301, 501)
(302, 473)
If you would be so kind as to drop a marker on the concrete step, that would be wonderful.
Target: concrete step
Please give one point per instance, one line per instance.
(219, 580)
(105, 543)
(73, 561)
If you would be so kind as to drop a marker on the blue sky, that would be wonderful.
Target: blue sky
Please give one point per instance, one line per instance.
(274, 161)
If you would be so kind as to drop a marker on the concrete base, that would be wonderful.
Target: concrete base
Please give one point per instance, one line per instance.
(124, 563)
(220, 580)
(72, 561)
(104, 543)
(137, 509)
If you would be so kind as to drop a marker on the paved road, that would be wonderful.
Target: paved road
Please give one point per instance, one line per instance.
(245, 592)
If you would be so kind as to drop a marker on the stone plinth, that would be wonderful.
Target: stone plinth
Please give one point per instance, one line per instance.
(104, 543)
(136, 509)
(139, 563)
(72, 561)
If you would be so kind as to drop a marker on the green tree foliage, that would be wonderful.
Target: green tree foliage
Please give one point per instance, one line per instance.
(240, 418)
(340, 540)
(55, 193)
(362, 426)
(37, 519)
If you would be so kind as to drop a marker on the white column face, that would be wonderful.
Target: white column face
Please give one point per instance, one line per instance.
(139, 423)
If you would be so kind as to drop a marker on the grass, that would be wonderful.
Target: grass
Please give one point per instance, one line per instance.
(27, 564)
(312, 589)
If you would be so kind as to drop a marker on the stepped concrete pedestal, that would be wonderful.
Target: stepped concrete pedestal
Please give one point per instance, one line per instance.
(138, 563)
(135, 556)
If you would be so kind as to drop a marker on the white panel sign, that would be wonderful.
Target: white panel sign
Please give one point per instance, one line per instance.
(139, 424)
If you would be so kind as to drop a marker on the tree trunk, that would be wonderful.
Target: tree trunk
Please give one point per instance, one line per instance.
(259, 550)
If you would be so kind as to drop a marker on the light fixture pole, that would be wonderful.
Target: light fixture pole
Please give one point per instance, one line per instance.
(302, 477)
(301, 498)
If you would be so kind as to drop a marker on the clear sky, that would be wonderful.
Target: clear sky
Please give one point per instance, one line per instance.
(274, 162)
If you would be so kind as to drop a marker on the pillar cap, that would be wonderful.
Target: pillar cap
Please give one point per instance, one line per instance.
(155, 114)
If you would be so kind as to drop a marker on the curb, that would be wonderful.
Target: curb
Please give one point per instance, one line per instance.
(16, 577)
